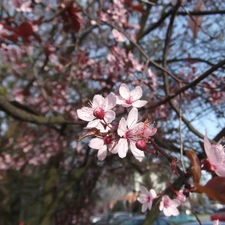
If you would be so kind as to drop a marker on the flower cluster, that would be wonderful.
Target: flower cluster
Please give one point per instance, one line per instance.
(127, 134)
(167, 205)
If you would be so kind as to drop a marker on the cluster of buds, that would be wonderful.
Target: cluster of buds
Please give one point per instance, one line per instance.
(117, 138)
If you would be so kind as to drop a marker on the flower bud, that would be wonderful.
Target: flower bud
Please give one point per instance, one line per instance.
(141, 144)
(99, 113)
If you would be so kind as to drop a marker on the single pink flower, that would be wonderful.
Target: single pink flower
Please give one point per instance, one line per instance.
(216, 156)
(129, 130)
(169, 206)
(146, 198)
(100, 111)
(102, 144)
(129, 98)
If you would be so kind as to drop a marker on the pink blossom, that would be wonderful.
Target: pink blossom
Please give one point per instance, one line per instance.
(129, 98)
(180, 196)
(216, 156)
(169, 206)
(100, 111)
(146, 198)
(216, 222)
(129, 130)
(22, 5)
(118, 36)
(101, 144)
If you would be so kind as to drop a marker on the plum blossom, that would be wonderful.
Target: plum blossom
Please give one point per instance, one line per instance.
(129, 130)
(146, 198)
(216, 222)
(101, 144)
(21, 5)
(129, 98)
(216, 156)
(118, 36)
(100, 111)
(180, 196)
(169, 206)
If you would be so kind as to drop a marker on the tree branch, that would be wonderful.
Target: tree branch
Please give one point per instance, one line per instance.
(28, 116)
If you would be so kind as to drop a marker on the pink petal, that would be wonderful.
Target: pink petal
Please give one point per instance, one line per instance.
(136, 93)
(96, 143)
(94, 123)
(132, 118)
(138, 154)
(85, 114)
(122, 128)
(124, 91)
(109, 116)
(144, 207)
(122, 147)
(213, 153)
(144, 190)
(110, 101)
(102, 153)
(220, 170)
(139, 103)
(98, 101)
(118, 36)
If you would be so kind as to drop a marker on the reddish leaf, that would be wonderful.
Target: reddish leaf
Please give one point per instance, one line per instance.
(195, 165)
(137, 7)
(25, 30)
(215, 189)
(195, 22)
(71, 18)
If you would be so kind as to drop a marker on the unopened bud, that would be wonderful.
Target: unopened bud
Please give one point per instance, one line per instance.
(99, 113)
(141, 144)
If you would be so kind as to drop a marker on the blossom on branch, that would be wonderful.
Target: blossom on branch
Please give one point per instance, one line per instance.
(169, 206)
(101, 144)
(100, 111)
(216, 156)
(129, 130)
(129, 98)
(146, 198)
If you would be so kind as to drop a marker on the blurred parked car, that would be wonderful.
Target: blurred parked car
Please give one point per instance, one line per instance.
(203, 223)
(139, 220)
(218, 215)
(112, 218)
(182, 218)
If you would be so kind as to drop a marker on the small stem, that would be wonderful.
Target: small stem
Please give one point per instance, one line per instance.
(168, 157)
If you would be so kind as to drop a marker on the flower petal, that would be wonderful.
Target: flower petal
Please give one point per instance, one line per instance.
(144, 207)
(213, 152)
(220, 170)
(136, 93)
(124, 91)
(122, 128)
(94, 123)
(139, 103)
(102, 153)
(132, 118)
(96, 143)
(85, 113)
(109, 116)
(110, 101)
(98, 101)
(122, 147)
(138, 154)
